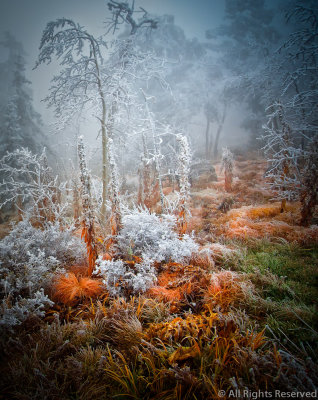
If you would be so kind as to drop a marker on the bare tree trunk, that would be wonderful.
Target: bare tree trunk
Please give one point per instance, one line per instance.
(218, 133)
(145, 175)
(76, 204)
(102, 121)
(207, 139)
(157, 154)
(104, 172)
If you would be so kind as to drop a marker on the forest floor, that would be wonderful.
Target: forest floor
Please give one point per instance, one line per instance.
(241, 315)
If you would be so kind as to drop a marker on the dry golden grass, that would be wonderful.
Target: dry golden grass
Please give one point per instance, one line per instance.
(203, 259)
(175, 330)
(266, 221)
(227, 288)
(176, 281)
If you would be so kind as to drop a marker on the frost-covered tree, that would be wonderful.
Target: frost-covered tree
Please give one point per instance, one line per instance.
(95, 75)
(88, 217)
(292, 172)
(227, 165)
(29, 184)
(184, 160)
(291, 131)
(297, 68)
(80, 82)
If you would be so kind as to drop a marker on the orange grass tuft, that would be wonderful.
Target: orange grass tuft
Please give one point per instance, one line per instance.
(203, 259)
(227, 288)
(164, 294)
(70, 290)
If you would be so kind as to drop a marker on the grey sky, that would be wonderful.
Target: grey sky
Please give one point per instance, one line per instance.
(26, 19)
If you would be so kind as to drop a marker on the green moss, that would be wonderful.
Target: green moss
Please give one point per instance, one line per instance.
(295, 267)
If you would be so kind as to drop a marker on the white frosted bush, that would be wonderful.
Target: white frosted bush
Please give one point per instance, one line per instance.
(15, 314)
(152, 237)
(29, 258)
(119, 276)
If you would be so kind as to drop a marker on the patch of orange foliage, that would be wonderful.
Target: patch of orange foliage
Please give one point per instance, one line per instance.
(226, 288)
(258, 212)
(78, 269)
(179, 328)
(266, 221)
(70, 289)
(165, 294)
(203, 260)
(177, 282)
(180, 284)
(89, 237)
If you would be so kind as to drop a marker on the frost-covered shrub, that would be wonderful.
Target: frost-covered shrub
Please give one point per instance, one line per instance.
(29, 183)
(15, 314)
(152, 237)
(29, 258)
(119, 276)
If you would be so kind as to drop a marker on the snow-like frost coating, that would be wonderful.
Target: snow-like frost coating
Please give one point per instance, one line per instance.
(29, 259)
(152, 237)
(119, 276)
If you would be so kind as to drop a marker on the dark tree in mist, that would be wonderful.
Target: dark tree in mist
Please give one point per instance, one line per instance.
(244, 42)
(20, 123)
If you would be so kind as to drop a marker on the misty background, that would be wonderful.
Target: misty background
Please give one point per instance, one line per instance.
(217, 65)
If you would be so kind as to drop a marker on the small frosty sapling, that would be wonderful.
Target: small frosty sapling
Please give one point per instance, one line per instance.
(88, 230)
(157, 156)
(144, 192)
(114, 190)
(227, 165)
(184, 160)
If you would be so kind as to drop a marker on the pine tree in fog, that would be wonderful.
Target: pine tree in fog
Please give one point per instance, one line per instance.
(20, 124)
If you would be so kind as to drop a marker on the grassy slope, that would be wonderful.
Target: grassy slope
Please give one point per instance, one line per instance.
(233, 322)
